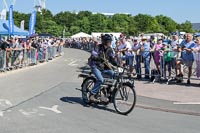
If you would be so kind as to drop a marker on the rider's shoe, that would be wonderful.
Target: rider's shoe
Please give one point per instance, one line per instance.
(104, 99)
(92, 98)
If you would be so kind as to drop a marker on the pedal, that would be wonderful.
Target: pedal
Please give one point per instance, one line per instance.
(78, 89)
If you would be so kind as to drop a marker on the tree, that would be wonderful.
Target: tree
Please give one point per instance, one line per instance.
(84, 24)
(167, 24)
(120, 23)
(132, 30)
(109, 25)
(98, 23)
(87, 22)
(51, 27)
(47, 15)
(65, 19)
(74, 29)
(187, 27)
(146, 23)
(18, 17)
(83, 14)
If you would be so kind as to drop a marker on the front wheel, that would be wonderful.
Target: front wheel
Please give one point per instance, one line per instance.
(86, 88)
(124, 99)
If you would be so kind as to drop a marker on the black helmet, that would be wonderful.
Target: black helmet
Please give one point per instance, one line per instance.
(106, 38)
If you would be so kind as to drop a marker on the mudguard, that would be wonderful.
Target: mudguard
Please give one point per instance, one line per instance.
(130, 84)
(88, 78)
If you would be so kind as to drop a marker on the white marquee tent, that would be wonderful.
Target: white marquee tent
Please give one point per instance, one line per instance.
(81, 34)
(98, 34)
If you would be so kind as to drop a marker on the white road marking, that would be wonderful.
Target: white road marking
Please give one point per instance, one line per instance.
(28, 113)
(41, 114)
(54, 109)
(5, 103)
(72, 63)
(187, 103)
(1, 113)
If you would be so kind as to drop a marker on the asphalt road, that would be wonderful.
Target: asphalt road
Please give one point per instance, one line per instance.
(43, 99)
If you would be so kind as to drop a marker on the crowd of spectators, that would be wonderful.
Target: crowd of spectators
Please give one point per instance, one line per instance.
(168, 57)
(19, 52)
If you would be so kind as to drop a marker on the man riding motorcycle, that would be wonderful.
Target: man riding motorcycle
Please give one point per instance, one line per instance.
(98, 62)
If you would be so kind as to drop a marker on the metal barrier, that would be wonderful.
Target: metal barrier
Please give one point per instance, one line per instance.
(150, 68)
(22, 57)
(2, 60)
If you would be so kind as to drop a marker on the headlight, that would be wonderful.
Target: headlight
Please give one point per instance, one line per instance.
(120, 70)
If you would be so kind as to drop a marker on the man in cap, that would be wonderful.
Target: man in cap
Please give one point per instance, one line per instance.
(175, 45)
(137, 50)
(145, 48)
(187, 54)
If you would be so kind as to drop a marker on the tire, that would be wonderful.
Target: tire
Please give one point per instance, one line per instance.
(87, 86)
(122, 94)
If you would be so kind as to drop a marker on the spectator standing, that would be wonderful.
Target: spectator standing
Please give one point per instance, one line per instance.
(167, 59)
(197, 57)
(137, 50)
(129, 54)
(145, 48)
(122, 49)
(175, 45)
(157, 55)
(187, 54)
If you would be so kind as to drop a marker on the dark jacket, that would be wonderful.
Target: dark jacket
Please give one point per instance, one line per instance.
(4, 45)
(100, 57)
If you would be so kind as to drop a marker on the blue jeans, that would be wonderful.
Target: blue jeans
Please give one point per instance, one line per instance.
(147, 67)
(50, 52)
(33, 55)
(138, 65)
(100, 79)
(129, 60)
(40, 54)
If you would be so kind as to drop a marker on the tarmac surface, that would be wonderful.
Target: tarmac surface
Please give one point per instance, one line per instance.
(177, 98)
(43, 98)
(174, 97)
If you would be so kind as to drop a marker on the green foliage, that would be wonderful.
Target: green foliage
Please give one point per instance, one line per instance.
(47, 15)
(166, 23)
(98, 23)
(74, 29)
(146, 23)
(120, 23)
(85, 21)
(187, 27)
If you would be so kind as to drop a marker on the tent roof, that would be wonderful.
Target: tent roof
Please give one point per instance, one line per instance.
(80, 34)
(17, 30)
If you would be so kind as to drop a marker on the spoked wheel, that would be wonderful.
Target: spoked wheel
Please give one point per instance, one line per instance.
(124, 99)
(87, 87)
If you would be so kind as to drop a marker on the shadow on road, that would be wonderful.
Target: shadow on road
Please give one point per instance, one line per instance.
(78, 100)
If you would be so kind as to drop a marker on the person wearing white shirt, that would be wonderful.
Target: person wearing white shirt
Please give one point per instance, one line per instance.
(175, 45)
(126, 49)
(121, 51)
(129, 55)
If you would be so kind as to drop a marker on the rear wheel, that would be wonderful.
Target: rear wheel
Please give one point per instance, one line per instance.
(124, 99)
(87, 87)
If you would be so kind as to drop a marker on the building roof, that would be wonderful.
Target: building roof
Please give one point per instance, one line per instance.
(196, 26)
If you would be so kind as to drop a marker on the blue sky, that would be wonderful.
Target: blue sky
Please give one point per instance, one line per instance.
(178, 10)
